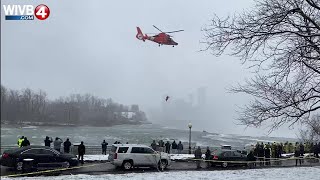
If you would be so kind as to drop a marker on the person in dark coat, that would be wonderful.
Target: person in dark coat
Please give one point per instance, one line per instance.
(267, 155)
(301, 151)
(174, 147)
(47, 141)
(297, 153)
(316, 150)
(104, 145)
(168, 146)
(154, 145)
(66, 146)
(25, 142)
(161, 146)
(261, 154)
(208, 156)
(198, 156)
(180, 147)
(81, 151)
(251, 157)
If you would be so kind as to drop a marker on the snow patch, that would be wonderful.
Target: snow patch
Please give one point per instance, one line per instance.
(295, 173)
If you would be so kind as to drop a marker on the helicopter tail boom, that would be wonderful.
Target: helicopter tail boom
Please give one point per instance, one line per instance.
(140, 35)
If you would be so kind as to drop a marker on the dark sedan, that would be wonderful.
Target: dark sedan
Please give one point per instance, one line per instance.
(38, 156)
(232, 158)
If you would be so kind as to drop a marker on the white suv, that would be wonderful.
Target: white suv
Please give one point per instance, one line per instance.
(136, 155)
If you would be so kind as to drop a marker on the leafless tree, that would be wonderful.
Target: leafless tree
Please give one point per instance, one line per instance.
(311, 133)
(280, 40)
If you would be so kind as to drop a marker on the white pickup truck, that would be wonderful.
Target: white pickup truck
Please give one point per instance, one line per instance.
(128, 156)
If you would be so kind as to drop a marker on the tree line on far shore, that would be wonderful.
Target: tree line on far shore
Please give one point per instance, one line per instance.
(33, 107)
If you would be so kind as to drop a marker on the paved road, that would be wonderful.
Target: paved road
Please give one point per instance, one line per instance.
(97, 168)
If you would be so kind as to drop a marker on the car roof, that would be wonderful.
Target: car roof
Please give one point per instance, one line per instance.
(25, 148)
(130, 145)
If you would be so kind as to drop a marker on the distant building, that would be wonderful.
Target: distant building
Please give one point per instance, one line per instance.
(202, 96)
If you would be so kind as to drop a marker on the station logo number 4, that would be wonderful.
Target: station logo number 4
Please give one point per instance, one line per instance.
(42, 12)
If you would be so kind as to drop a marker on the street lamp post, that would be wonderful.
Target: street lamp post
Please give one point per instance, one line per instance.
(190, 126)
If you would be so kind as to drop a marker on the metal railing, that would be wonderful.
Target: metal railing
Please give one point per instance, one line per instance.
(97, 149)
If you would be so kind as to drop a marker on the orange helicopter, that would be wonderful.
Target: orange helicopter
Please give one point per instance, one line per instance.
(162, 38)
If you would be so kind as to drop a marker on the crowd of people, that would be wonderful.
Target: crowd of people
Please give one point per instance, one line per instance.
(267, 152)
(167, 147)
(264, 153)
(23, 141)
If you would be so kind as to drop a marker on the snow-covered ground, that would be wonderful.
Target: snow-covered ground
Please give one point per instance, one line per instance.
(297, 173)
(182, 156)
(95, 157)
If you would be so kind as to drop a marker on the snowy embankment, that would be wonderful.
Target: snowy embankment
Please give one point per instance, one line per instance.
(105, 157)
(297, 173)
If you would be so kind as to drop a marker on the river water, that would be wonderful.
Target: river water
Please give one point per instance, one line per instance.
(138, 134)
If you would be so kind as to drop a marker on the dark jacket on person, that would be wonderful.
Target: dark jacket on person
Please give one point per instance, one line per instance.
(267, 152)
(47, 142)
(251, 157)
(81, 149)
(168, 145)
(104, 145)
(198, 154)
(66, 146)
(174, 145)
(180, 146)
(153, 145)
(301, 149)
(297, 151)
(25, 142)
(208, 154)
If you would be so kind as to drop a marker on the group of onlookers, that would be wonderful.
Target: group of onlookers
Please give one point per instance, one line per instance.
(167, 147)
(23, 141)
(265, 152)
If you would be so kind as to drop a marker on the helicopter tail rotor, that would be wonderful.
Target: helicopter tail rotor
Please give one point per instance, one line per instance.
(140, 35)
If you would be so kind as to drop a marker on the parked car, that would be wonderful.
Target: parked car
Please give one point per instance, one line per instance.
(229, 155)
(41, 157)
(128, 156)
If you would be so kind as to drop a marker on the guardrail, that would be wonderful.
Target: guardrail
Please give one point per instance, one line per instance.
(94, 150)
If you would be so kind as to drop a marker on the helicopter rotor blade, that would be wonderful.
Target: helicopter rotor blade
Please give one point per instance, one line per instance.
(174, 31)
(157, 28)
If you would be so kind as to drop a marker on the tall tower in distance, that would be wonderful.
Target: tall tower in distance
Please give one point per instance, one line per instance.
(201, 96)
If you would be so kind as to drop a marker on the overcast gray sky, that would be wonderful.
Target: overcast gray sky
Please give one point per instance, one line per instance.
(90, 47)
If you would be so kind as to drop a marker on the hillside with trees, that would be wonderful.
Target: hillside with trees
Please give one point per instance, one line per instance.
(30, 107)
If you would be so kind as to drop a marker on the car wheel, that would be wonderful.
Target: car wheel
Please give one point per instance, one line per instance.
(127, 165)
(224, 164)
(163, 164)
(66, 165)
(19, 166)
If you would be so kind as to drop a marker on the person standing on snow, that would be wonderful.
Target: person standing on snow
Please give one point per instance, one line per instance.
(81, 151)
(57, 144)
(208, 156)
(174, 147)
(180, 147)
(198, 156)
(168, 146)
(104, 145)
